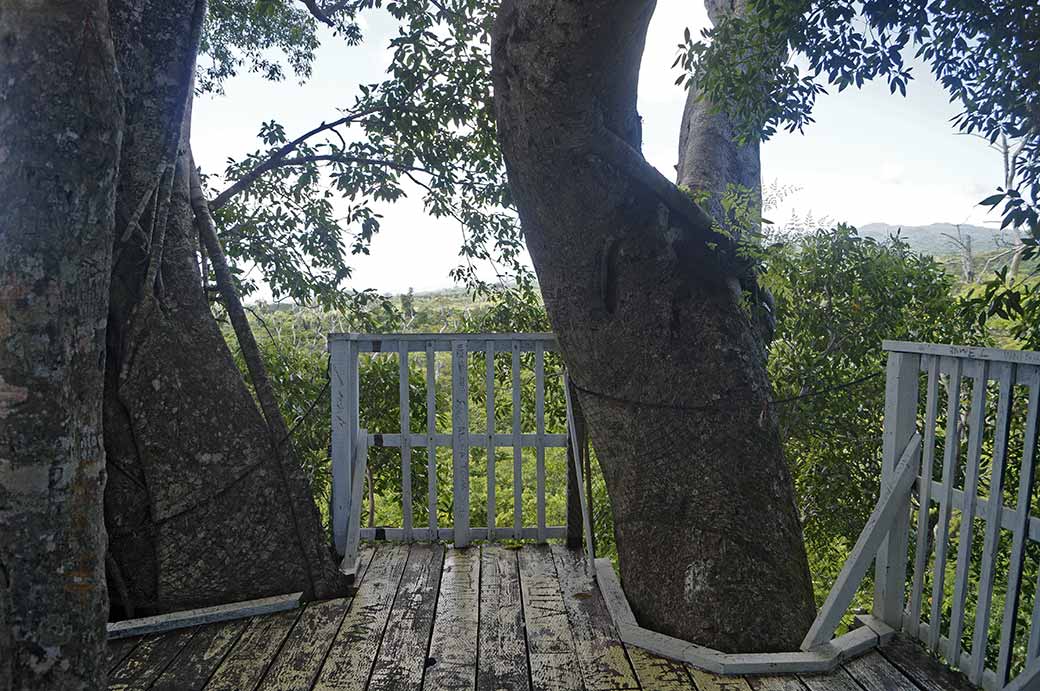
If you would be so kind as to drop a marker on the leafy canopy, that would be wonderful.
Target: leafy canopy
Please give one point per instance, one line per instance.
(985, 53)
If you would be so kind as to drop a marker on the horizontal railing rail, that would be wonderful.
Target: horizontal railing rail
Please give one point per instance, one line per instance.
(351, 445)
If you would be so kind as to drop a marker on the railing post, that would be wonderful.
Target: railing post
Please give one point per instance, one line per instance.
(574, 519)
(901, 393)
(460, 440)
(344, 392)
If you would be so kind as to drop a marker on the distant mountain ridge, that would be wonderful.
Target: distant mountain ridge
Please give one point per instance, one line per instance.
(930, 239)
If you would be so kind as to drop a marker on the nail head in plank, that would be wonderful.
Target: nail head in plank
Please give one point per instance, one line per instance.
(452, 662)
(601, 655)
(204, 615)
(402, 653)
(502, 659)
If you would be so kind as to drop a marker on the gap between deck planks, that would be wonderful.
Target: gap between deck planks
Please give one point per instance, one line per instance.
(490, 618)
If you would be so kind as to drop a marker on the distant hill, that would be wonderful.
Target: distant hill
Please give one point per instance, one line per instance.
(930, 239)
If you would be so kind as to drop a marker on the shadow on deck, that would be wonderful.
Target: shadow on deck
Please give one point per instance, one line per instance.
(426, 616)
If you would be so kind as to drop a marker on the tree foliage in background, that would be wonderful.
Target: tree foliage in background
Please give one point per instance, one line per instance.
(985, 54)
(426, 130)
(838, 295)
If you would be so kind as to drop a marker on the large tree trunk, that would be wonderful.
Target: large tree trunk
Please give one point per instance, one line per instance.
(60, 130)
(202, 507)
(669, 368)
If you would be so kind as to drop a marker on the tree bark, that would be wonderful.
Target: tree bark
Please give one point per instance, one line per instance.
(60, 133)
(201, 507)
(669, 368)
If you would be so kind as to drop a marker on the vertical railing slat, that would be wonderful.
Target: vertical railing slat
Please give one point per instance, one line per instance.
(583, 497)
(912, 623)
(518, 460)
(431, 443)
(539, 416)
(901, 385)
(976, 421)
(349, 565)
(951, 452)
(1020, 530)
(406, 445)
(1004, 373)
(489, 358)
(344, 394)
(460, 440)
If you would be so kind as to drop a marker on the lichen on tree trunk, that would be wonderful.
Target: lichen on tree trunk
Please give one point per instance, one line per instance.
(669, 367)
(60, 132)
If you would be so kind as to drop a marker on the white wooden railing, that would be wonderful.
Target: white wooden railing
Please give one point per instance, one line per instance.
(350, 443)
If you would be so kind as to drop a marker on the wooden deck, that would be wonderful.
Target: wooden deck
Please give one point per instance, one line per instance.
(426, 616)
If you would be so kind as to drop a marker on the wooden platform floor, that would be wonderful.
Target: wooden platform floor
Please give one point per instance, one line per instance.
(485, 618)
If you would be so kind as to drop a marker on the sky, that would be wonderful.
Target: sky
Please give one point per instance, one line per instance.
(869, 157)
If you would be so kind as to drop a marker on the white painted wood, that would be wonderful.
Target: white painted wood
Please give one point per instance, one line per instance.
(578, 471)
(431, 432)
(1007, 514)
(894, 499)
(1022, 357)
(883, 631)
(343, 373)
(518, 468)
(460, 445)
(351, 563)
(613, 595)
(942, 529)
(901, 386)
(912, 619)
(1005, 376)
(404, 389)
(553, 532)
(489, 386)
(671, 648)
(446, 440)
(976, 422)
(203, 615)
(539, 417)
(1019, 522)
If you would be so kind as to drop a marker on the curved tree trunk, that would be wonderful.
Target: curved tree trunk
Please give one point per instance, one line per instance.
(201, 506)
(669, 368)
(60, 130)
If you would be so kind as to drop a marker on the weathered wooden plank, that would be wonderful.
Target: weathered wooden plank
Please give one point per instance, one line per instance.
(405, 409)
(553, 661)
(353, 651)
(250, 657)
(1005, 375)
(203, 615)
(201, 657)
(912, 619)
(601, 655)
(117, 651)
(977, 421)
(706, 681)
(402, 654)
(460, 441)
(148, 660)
(502, 659)
(452, 660)
(518, 460)
(302, 654)
(942, 529)
(776, 684)
(925, 671)
(838, 680)
(431, 431)
(657, 673)
(874, 673)
(1027, 473)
